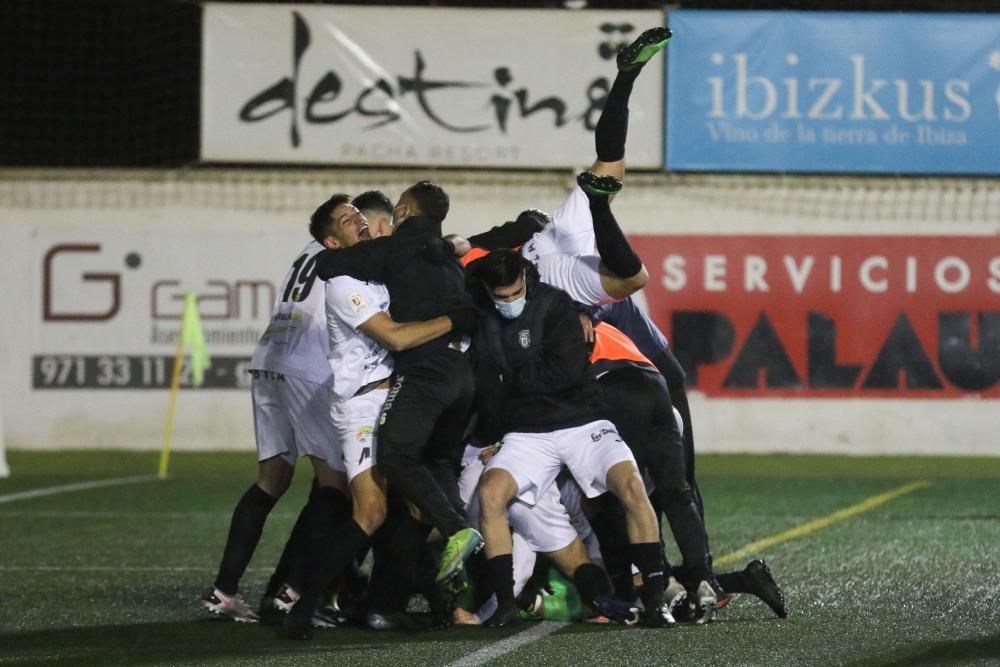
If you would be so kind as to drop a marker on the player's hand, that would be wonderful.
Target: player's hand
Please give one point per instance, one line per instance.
(588, 328)
(461, 245)
(464, 319)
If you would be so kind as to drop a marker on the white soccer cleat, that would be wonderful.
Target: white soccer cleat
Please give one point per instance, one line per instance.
(285, 598)
(703, 602)
(230, 606)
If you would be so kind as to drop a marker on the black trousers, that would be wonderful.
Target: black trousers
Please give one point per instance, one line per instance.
(639, 405)
(420, 436)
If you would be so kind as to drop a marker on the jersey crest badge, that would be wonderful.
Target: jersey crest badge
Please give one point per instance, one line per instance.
(357, 303)
(524, 338)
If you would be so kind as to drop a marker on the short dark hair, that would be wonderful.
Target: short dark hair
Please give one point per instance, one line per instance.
(431, 199)
(501, 268)
(320, 220)
(373, 200)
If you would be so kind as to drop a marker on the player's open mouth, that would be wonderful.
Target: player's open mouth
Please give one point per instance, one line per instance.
(363, 232)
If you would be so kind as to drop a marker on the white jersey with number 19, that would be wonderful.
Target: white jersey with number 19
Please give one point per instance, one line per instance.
(296, 342)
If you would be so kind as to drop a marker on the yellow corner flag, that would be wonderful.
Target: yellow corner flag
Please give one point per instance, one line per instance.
(191, 337)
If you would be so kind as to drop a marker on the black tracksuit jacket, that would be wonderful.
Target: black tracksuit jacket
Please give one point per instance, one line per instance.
(533, 373)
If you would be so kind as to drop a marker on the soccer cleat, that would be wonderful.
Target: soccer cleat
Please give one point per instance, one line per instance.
(459, 548)
(617, 611)
(505, 616)
(765, 587)
(647, 45)
(285, 598)
(593, 184)
(389, 621)
(723, 601)
(230, 606)
(298, 626)
(328, 617)
(703, 603)
(658, 617)
(675, 596)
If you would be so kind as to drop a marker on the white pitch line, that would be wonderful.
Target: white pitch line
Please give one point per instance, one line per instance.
(78, 486)
(504, 646)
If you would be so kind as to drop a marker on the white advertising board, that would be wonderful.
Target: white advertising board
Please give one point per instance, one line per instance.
(419, 86)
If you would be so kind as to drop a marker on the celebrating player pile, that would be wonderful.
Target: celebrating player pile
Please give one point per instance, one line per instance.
(435, 401)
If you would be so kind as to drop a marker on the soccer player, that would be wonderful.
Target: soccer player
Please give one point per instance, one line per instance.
(376, 206)
(427, 407)
(290, 391)
(538, 395)
(562, 247)
(361, 335)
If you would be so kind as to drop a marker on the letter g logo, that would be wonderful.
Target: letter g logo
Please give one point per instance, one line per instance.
(49, 314)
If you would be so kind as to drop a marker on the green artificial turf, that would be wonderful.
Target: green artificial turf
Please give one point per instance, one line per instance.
(112, 576)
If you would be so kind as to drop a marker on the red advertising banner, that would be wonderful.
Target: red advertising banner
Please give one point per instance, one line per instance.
(829, 316)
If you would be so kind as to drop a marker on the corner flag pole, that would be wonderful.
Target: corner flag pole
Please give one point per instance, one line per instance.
(191, 335)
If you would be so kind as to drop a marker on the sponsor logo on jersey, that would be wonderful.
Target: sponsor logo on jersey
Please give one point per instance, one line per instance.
(524, 338)
(357, 303)
(364, 433)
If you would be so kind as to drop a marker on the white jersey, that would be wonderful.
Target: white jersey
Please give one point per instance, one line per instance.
(354, 358)
(295, 342)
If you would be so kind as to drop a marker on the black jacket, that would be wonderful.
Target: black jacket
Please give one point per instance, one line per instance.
(533, 373)
(419, 288)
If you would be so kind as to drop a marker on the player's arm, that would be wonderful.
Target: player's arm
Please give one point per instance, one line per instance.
(398, 336)
(365, 261)
(512, 234)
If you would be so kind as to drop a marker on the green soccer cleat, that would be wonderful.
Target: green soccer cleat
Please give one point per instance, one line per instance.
(460, 547)
(593, 184)
(639, 52)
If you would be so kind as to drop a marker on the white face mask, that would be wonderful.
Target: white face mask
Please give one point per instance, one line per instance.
(511, 310)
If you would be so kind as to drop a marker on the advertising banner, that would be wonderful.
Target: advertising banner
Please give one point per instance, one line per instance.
(418, 86)
(830, 316)
(834, 92)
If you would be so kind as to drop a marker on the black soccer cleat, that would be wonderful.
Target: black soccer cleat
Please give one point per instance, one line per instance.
(593, 184)
(298, 625)
(764, 586)
(505, 616)
(639, 52)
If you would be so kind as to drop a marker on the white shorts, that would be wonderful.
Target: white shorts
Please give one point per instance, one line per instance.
(555, 520)
(534, 460)
(546, 525)
(571, 231)
(291, 418)
(355, 421)
(577, 275)
(468, 483)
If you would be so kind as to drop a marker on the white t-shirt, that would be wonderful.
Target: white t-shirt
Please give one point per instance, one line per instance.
(354, 358)
(296, 342)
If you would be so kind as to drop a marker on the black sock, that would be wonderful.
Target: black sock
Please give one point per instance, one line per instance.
(338, 551)
(612, 246)
(327, 509)
(394, 566)
(612, 126)
(501, 571)
(244, 533)
(646, 557)
(592, 582)
(339, 510)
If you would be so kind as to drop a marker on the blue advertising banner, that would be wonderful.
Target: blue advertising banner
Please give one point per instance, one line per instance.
(834, 92)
